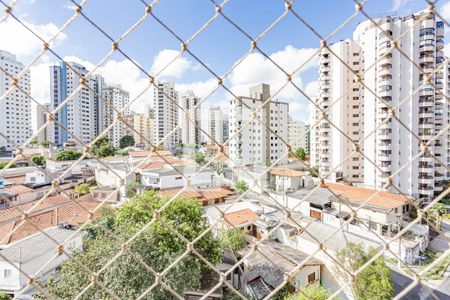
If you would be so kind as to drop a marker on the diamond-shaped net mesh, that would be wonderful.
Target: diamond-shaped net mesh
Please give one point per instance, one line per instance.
(377, 173)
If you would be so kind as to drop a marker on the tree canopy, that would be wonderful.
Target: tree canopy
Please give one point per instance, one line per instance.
(300, 153)
(156, 245)
(68, 154)
(38, 159)
(126, 141)
(82, 189)
(312, 292)
(374, 282)
(233, 239)
(241, 186)
(199, 157)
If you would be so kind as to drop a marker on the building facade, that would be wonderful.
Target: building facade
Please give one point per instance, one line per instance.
(191, 119)
(255, 144)
(116, 100)
(142, 129)
(165, 105)
(41, 119)
(298, 135)
(391, 80)
(15, 109)
(77, 115)
(215, 125)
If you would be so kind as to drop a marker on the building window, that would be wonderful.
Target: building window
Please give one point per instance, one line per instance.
(311, 278)
(7, 273)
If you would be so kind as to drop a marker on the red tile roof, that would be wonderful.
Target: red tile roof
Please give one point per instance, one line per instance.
(50, 212)
(241, 217)
(18, 189)
(286, 172)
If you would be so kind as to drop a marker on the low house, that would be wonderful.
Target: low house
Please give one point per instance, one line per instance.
(206, 196)
(76, 168)
(40, 178)
(106, 193)
(117, 173)
(137, 156)
(176, 176)
(256, 177)
(265, 268)
(287, 179)
(35, 256)
(17, 194)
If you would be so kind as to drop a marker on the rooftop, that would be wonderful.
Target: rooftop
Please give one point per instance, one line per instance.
(36, 245)
(18, 189)
(241, 217)
(289, 172)
(203, 194)
(149, 153)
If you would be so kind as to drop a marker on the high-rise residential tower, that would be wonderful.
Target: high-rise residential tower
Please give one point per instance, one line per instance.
(77, 115)
(255, 144)
(190, 119)
(298, 135)
(165, 105)
(41, 119)
(389, 145)
(15, 109)
(215, 125)
(117, 101)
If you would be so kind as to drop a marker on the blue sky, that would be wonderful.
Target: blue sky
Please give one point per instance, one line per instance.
(219, 46)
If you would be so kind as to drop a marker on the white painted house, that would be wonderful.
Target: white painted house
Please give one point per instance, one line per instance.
(34, 255)
(176, 176)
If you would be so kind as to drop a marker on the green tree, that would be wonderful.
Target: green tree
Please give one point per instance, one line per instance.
(374, 282)
(68, 154)
(132, 189)
(105, 151)
(45, 144)
(241, 186)
(233, 239)
(34, 142)
(4, 163)
(82, 189)
(126, 141)
(199, 157)
(38, 159)
(300, 153)
(311, 292)
(4, 296)
(156, 245)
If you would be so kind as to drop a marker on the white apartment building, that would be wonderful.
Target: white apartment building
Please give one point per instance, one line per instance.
(77, 116)
(116, 100)
(226, 127)
(298, 135)
(190, 119)
(41, 119)
(99, 103)
(15, 109)
(337, 85)
(215, 125)
(165, 100)
(142, 129)
(255, 144)
(394, 78)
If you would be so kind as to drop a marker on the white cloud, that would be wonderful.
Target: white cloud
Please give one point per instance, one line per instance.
(200, 88)
(397, 4)
(257, 69)
(18, 40)
(176, 68)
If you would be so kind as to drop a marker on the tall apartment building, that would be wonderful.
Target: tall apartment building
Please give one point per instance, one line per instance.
(255, 144)
(314, 155)
(215, 125)
(394, 78)
(190, 119)
(117, 99)
(226, 127)
(298, 135)
(77, 116)
(41, 119)
(165, 107)
(337, 85)
(99, 84)
(142, 129)
(15, 109)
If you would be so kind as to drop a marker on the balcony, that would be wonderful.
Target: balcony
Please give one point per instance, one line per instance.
(427, 48)
(426, 168)
(428, 180)
(384, 146)
(440, 44)
(385, 168)
(426, 191)
(385, 93)
(426, 114)
(384, 157)
(385, 72)
(426, 91)
(385, 61)
(427, 59)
